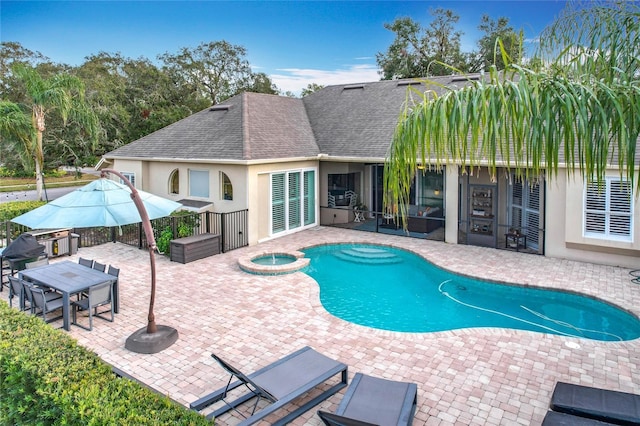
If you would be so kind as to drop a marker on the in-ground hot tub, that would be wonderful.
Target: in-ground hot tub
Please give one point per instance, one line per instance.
(273, 263)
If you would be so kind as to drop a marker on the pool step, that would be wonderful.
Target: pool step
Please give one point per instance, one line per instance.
(368, 256)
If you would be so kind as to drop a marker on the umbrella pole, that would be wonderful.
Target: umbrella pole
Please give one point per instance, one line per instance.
(149, 339)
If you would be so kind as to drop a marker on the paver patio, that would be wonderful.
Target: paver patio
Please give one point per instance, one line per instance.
(471, 376)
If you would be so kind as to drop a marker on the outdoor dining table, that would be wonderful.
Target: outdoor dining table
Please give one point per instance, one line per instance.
(69, 278)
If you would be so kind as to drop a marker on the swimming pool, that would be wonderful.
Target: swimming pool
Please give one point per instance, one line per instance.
(393, 289)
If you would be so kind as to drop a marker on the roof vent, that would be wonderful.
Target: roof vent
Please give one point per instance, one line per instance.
(408, 83)
(457, 78)
(220, 108)
(353, 86)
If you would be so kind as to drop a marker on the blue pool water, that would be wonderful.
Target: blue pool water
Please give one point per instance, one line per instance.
(392, 289)
(274, 259)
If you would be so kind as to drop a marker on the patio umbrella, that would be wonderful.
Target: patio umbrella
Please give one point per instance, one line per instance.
(102, 202)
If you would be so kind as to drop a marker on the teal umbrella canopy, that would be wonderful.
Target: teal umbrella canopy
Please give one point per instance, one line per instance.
(102, 202)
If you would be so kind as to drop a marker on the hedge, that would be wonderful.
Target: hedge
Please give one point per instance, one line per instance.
(46, 378)
(12, 209)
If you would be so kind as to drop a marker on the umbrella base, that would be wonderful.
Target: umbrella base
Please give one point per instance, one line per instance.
(144, 343)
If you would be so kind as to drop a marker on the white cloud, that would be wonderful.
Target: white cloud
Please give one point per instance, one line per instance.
(296, 79)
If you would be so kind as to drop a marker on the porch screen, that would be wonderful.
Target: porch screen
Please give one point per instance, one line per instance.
(609, 210)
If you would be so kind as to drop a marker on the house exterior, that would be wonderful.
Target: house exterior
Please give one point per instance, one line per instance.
(298, 163)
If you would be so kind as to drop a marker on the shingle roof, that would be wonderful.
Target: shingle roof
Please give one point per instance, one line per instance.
(249, 126)
(342, 121)
(358, 120)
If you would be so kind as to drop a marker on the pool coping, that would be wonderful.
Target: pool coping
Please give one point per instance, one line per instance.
(247, 265)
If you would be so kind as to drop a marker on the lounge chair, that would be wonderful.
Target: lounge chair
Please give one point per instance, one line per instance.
(598, 404)
(373, 401)
(553, 418)
(280, 383)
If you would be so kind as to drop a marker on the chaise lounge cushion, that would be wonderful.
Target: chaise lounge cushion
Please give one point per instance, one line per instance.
(553, 418)
(600, 404)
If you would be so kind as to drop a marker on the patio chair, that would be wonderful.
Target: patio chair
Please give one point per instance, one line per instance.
(85, 262)
(331, 200)
(99, 266)
(597, 404)
(280, 383)
(113, 271)
(21, 289)
(97, 296)
(39, 301)
(16, 290)
(5, 271)
(37, 263)
(373, 401)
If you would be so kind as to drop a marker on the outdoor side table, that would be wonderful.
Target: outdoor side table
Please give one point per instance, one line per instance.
(515, 241)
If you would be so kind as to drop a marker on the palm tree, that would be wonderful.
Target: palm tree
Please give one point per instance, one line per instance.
(63, 93)
(584, 103)
(16, 131)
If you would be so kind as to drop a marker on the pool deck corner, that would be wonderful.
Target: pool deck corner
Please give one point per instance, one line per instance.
(482, 376)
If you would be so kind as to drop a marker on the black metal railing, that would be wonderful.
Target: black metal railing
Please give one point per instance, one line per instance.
(425, 227)
(232, 227)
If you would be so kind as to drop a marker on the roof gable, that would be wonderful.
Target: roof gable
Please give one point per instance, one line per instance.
(250, 126)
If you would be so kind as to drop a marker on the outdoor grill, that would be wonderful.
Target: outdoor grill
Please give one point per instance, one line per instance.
(22, 250)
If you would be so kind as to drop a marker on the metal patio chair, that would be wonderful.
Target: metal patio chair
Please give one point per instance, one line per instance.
(85, 262)
(97, 295)
(37, 263)
(99, 266)
(39, 299)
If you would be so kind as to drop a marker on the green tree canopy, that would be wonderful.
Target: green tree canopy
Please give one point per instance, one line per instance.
(216, 69)
(490, 50)
(583, 105)
(418, 51)
(311, 88)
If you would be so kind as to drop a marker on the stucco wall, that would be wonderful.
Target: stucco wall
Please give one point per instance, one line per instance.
(259, 197)
(564, 227)
(154, 177)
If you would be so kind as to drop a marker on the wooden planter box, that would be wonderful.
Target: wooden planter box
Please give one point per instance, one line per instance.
(188, 249)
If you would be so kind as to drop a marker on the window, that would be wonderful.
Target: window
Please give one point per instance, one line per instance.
(199, 183)
(174, 182)
(292, 200)
(131, 177)
(309, 202)
(428, 189)
(339, 184)
(608, 210)
(226, 189)
(524, 209)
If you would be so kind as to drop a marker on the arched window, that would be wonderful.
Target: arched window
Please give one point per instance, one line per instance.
(174, 182)
(226, 189)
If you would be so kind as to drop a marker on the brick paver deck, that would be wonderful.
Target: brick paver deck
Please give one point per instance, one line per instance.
(472, 376)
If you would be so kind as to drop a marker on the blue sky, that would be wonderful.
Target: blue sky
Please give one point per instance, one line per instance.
(294, 42)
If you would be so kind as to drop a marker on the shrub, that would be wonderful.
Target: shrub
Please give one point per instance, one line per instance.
(47, 378)
(13, 209)
(163, 242)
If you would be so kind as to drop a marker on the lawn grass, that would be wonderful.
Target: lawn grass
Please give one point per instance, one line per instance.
(26, 184)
